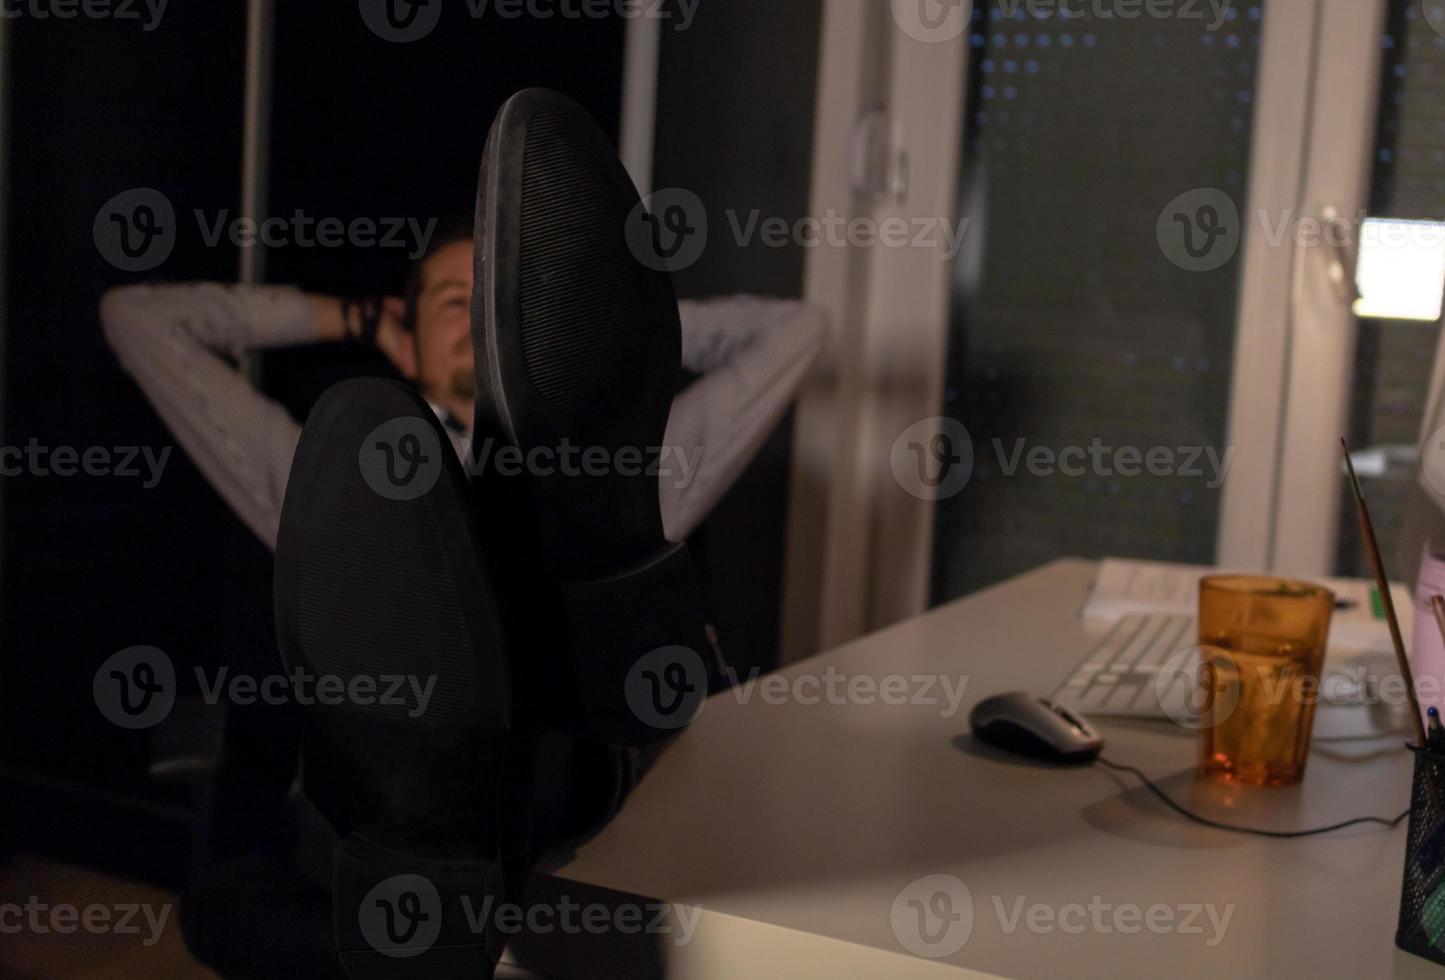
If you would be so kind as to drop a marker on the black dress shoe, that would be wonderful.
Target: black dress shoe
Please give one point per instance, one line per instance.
(384, 607)
(578, 348)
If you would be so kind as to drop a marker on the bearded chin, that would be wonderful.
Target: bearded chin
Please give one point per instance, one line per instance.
(464, 385)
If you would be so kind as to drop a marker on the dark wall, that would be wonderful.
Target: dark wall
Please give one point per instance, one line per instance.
(96, 564)
(735, 101)
(364, 127)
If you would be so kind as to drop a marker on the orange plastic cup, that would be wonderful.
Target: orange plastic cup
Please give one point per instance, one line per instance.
(1263, 647)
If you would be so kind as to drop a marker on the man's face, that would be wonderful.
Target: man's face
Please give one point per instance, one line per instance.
(445, 369)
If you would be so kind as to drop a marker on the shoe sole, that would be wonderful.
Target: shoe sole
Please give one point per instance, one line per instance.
(578, 344)
(378, 584)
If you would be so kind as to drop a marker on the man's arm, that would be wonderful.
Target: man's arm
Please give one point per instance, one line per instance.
(179, 342)
(752, 354)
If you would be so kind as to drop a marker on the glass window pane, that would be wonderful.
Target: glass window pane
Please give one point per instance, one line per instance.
(1394, 357)
(1080, 352)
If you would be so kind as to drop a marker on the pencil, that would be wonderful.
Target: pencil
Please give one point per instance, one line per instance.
(1367, 529)
(1437, 604)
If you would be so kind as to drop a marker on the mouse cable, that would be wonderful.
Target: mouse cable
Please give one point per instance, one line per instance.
(1150, 785)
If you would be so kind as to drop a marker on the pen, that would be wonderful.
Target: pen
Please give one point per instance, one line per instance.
(1382, 587)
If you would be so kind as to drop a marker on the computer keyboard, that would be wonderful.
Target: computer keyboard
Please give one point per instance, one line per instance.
(1147, 666)
(1121, 675)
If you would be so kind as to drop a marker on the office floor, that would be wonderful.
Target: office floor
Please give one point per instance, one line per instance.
(29, 955)
(86, 955)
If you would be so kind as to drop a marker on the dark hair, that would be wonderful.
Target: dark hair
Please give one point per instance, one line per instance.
(449, 231)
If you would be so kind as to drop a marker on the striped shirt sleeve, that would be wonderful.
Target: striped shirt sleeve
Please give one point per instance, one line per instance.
(753, 354)
(180, 343)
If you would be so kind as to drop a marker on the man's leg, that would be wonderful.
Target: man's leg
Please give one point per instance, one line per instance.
(525, 614)
(385, 611)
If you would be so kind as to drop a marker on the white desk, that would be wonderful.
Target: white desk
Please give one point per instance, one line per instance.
(794, 827)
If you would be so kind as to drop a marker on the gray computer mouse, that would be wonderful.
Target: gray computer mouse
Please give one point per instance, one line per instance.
(1036, 728)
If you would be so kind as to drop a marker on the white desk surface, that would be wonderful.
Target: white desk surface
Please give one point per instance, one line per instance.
(794, 827)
